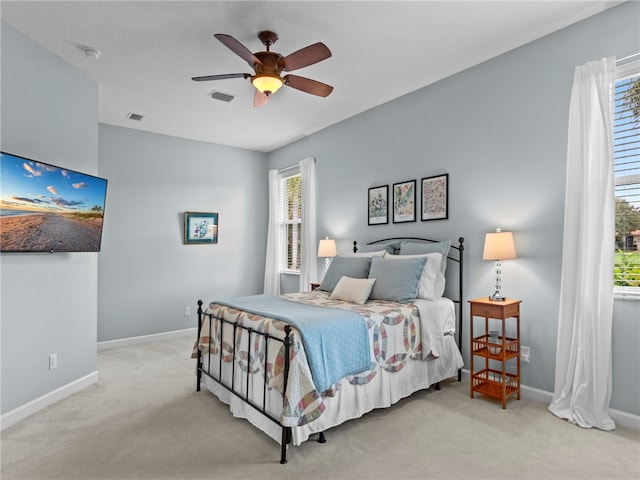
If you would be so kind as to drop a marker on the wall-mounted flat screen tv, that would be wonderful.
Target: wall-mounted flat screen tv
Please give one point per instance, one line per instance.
(44, 208)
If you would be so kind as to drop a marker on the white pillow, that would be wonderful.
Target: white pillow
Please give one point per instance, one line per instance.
(355, 290)
(431, 284)
(377, 253)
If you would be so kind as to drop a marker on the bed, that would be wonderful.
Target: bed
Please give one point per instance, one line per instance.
(384, 323)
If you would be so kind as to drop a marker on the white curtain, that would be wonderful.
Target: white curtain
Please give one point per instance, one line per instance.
(583, 359)
(272, 263)
(309, 248)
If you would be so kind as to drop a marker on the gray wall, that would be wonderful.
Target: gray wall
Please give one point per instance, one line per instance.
(500, 131)
(146, 275)
(49, 113)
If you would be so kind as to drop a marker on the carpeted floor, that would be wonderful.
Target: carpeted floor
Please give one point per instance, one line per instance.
(144, 420)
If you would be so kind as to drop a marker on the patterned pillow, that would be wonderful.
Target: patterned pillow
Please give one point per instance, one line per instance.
(396, 278)
(354, 267)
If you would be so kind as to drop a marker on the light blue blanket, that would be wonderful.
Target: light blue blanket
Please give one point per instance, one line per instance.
(336, 341)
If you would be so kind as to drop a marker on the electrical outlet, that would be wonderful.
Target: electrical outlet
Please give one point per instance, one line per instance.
(53, 361)
(187, 311)
(524, 354)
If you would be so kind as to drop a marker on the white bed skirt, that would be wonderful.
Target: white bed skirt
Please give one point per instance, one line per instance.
(352, 401)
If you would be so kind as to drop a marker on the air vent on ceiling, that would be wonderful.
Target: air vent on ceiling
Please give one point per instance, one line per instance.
(134, 116)
(223, 97)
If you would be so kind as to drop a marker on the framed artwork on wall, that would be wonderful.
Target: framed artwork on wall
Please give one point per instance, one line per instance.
(435, 197)
(404, 202)
(378, 205)
(200, 228)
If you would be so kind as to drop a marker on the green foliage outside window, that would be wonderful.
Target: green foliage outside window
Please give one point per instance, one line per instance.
(627, 220)
(626, 271)
(631, 100)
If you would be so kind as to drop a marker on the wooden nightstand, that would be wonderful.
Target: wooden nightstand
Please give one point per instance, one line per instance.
(497, 383)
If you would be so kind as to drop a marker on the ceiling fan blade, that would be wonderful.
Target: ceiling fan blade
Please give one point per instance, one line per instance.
(305, 56)
(307, 85)
(236, 47)
(260, 99)
(223, 76)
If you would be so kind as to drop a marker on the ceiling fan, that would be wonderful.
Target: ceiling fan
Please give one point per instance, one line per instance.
(269, 65)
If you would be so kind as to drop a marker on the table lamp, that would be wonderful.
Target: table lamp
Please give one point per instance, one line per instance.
(498, 246)
(327, 249)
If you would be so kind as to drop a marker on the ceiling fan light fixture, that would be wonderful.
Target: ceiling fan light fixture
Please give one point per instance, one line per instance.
(267, 83)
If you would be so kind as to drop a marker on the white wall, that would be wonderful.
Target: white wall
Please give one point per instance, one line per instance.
(147, 276)
(49, 113)
(499, 129)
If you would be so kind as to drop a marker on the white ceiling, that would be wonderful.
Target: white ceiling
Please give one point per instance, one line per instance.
(381, 50)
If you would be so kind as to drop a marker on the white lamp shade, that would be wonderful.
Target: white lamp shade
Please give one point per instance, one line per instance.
(327, 248)
(499, 246)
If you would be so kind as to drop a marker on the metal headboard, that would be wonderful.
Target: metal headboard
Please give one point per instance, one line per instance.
(456, 254)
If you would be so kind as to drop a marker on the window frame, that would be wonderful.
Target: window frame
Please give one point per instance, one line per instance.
(630, 69)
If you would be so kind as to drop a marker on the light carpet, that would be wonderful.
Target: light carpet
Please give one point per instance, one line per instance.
(144, 420)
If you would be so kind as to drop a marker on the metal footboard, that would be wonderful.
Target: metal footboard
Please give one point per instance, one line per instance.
(204, 367)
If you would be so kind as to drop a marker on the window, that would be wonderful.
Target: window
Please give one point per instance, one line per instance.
(290, 195)
(626, 155)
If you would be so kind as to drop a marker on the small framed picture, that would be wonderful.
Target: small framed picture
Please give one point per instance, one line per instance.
(378, 205)
(404, 202)
(200, 227)
(435, 197)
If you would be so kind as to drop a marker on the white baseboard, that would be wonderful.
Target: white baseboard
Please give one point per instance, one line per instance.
(621, 418)
(22, 412)
(155, 337)
(625, 419)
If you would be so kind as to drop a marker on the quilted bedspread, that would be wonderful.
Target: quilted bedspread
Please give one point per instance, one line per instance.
(394, 337)
(336, 340)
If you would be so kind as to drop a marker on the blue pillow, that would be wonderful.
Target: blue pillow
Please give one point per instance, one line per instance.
(419, 248)
(396, 278)
(354, 267)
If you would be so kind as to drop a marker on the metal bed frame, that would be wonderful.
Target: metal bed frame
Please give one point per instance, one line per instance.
(204, 368)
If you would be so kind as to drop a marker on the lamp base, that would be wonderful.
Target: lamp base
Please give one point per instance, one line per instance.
(497, 297)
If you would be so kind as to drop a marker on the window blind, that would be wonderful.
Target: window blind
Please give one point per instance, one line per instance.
(290, 195)
(626, 155)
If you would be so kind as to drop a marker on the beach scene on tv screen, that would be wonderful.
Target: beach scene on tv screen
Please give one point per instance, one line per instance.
(48, 208)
